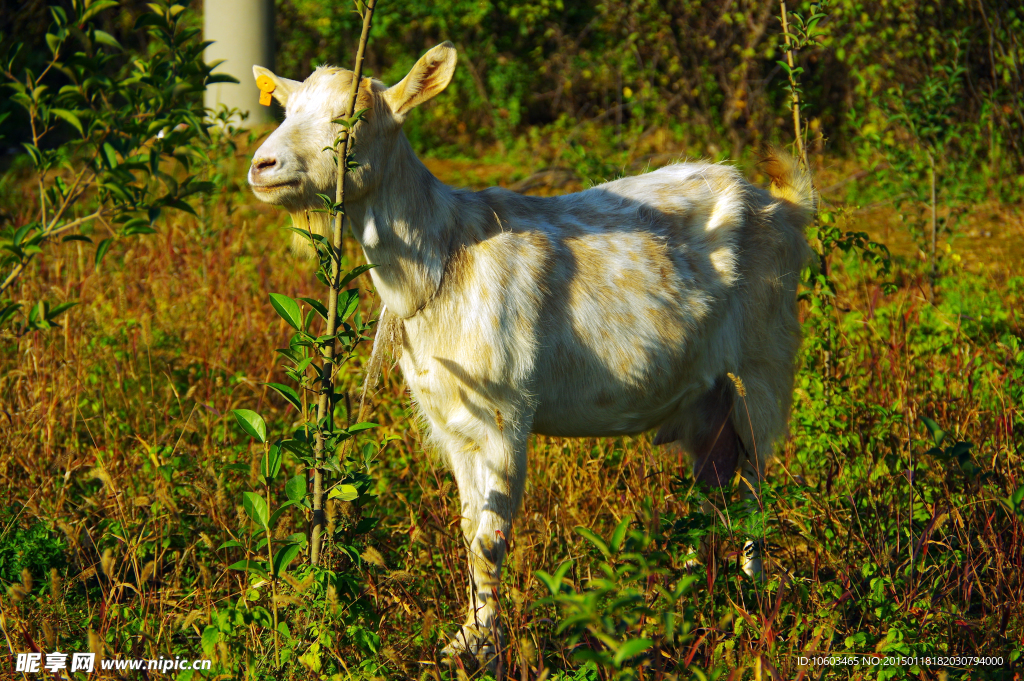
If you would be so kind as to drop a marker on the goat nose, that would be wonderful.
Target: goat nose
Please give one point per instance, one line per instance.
(261, 164)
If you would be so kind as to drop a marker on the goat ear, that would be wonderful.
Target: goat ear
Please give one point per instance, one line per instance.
(283, 87)
(428, 77)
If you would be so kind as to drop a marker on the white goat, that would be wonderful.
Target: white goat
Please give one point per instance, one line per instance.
(615, 310)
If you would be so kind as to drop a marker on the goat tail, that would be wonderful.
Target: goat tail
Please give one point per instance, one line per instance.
(797, 199)
(790, 182)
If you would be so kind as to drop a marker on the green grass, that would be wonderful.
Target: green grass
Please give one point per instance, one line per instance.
(123, 472)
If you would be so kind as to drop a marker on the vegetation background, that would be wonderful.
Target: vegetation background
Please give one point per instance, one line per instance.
(895, 514)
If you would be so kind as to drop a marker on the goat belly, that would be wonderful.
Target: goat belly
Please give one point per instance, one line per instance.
(581, 394)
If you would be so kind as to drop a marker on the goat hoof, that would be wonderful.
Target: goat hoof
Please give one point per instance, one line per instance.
(475, 646)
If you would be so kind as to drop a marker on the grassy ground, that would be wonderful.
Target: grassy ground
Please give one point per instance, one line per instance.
(123, 473)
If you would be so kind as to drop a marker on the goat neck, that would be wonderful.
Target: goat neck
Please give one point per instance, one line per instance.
(406, 226)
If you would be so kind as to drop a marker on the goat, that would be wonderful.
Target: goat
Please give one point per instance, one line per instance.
(615, 310)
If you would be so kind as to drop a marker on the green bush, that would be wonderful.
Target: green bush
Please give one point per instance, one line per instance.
(113, 142)
(708, 71)
(33, 547)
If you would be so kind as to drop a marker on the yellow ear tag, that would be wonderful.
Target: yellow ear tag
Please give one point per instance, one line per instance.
(266, 86)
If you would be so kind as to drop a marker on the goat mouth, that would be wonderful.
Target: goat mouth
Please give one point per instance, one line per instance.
(278, 185)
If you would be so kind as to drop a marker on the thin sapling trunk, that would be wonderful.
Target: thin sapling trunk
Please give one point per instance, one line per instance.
(324, 406)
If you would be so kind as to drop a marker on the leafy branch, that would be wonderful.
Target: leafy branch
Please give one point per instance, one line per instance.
(113, 141)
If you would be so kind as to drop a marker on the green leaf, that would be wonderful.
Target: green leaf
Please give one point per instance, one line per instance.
(256, 508)
(34, 152)
(95, 8)
(348, 304)
(316, 305)
(630, 649)
(76, 237)
(151, 19)
(300, 367)
(37, 316)
(326, 200)
(270, 465)
(324, 340)
(938, 435)
(211, 636)
(302, 450)
(960, 450)
(7, 311)
(362, 425)
(1017, 499)
(53, 42)
(859, 640)
(554, 582)
(344, 492)
(252, 423)
(318, 238)
(290, 354)
(231, 544)
(109, 154)
(287, 393)
(288, 309)
(117, 190)
(280, 511)
(180, 205)
(250, 566)
(295, 488)
(22, 231)
(355, 272)
(70, 117)
(366, 524)
(284, 557)
(52, 313)
(137, 226)
(102, 249)
(620, 533)
(220, 78)
(593, 539)
(139, 230)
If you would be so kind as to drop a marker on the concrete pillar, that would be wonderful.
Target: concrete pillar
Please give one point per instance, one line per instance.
(243, 35)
